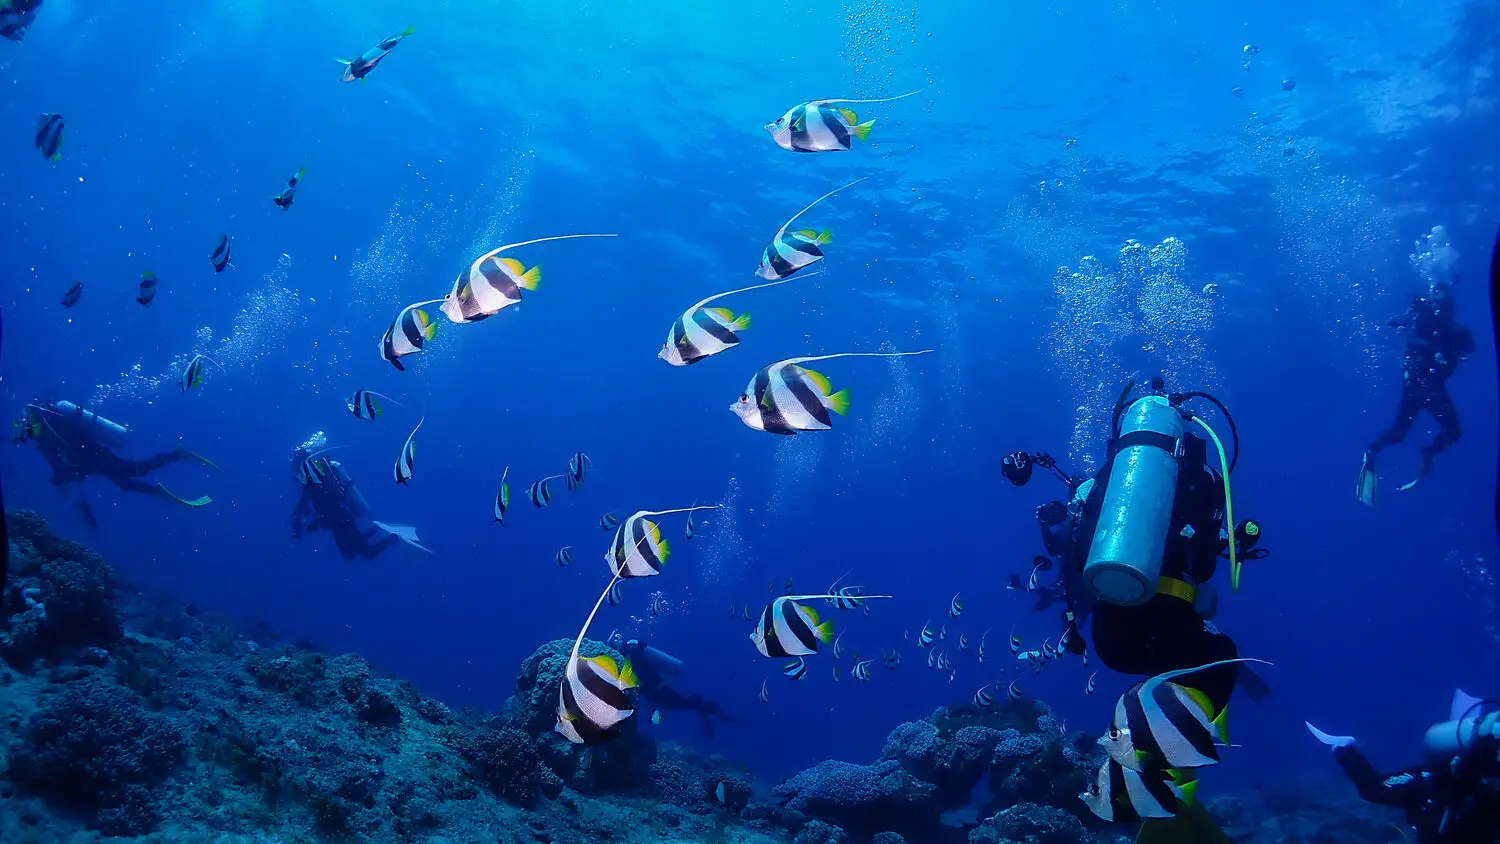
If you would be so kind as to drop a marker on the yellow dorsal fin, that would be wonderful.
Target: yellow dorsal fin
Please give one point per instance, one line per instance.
(820, 380)
(605, 663)
(848, 114)
(806, 234)
(516, 268)
(722, 313)
(628, 680)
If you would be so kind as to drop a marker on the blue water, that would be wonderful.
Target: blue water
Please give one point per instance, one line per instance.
(499, 124)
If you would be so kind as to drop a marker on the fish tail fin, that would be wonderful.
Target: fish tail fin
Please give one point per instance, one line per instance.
(56, 157)
(429, 326)
(628, 678)
(530, 279)
(1221, 724)
(1189, 791)
(301, 171)
(824, 632)
(741, 322)
(862, 130)
(410, 30)
(839, 402)
(825, 237)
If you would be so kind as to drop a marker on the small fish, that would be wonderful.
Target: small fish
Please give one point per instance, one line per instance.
(932, 659)
(314, 469)
(963, 641)
(943, 633)
(720, 795)
(787, 590)
(787, 628)
(1049, 650)
(789, 252)
(982, 637)
(925, 637)
(540, 492)
(692, 529)
(786, 398)
(1121, 795)
(796, 669)
(365, 404)
(861, 671)
(906, 634)
(838, 646)
(220, 256)
(70, 298)
(491, 283)
(1014, 584)
(284, 199)
(148, 288)
(703, 332)
(615, 595)
(565, 556)
(656, 717)
(502, 498)
(192, 374)
(609, 521)
(49, 135)
(1014, 692)
(408, 455)
(1015, 643)
(867, 609)
(408, 334)
(955, 606)
(658, 604)
(578, 469)
(1088, 688)
(368, 60)
(819, 127)
(944, 664)
(1031, 583)
(983, 699)
(747, 612)
(592, 697)
(837, 675)
(765, 697)
(645, 550)
(773, 586)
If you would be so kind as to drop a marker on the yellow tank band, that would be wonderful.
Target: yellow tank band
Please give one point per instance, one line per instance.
(1177, 589)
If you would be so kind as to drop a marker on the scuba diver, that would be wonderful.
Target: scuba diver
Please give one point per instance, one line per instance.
(656, 670)
(78, 443)
(1434, 345)
(1137, 543)
(16, 17)
(1453, 797)
(330, 501)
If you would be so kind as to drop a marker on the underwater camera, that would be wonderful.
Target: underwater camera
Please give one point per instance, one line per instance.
(1016, 467)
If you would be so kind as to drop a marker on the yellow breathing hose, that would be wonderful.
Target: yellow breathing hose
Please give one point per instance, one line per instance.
(1234, 557)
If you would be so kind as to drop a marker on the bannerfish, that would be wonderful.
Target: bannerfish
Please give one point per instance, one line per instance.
(1121, 795)
(656, 718)
(365, 404)
(796, 669)
(565, 556)
(578, 469)
(615, 594)
(787, 628)
(592, 699)
(765, 697)
(220, 256)
(609, 521)
(148, 288)
(49, 136)
(360, 68)
(1088, 688)
(1167, 724)
(408, 333)
(861, 671)
(192, 374)
(963, 641)
(658, 604)
(408, 457)
(925, 637)
(491, 283)
(70, 297)
(1015, 643)
(314, 468)
(955, 606)
(502, 498)
(540, 492)
(638, 549)
(1013, 691)
(691, 530)
(789, 252)
(819, 127)
(785, 398)
(982, 637)
(284, 199)
(982, 698)
(703, 332)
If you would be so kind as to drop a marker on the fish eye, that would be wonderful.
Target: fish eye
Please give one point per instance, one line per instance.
(780, 120)
(745, 399)
(1114, 733)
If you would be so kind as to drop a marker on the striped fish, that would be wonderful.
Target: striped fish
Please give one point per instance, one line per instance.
(765, 693)
(691, 530)
(982, 698)
(658, 604)
(615, 595)
(1088, 688)
(365, 404)
(192, 374)
(638, 549)
(592, 699)
(982, 637)
(578, 469)
(368, 60)
(565, 556)
(49, 135)
(220, 256)
(703, 332)
(408, 333)
(785, 398)
(1015, 643)
(787, 628)
(963, 641)
(314, 468)
(790, 252)
(861, 671)
(1170, 725)
(540, 492)
(148, 288)
(1013, 691)
(1121, 795)
(932, 660)
(502, 498)
(70, 298)
(819, 127)
(492, 284)
(408, 457)
(796, 669)
(609, 521)
(955, 606)
(925, 637)
(838, 646)
(943, 632)
(284, 199)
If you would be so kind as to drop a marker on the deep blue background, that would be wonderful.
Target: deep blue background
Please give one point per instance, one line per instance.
(497, 124)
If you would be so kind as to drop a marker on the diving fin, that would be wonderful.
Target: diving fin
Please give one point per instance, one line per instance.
(1368, 481)
(1193, 825)
(1252, 684)
(201, 459)
(189, 502)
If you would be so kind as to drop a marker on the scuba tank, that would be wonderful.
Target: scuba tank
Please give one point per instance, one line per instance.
(356, 499)
(72, 418)
(1125, 556)
(1452, 738)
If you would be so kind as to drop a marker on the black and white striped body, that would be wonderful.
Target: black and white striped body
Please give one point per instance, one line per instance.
(490, 285)
(592, 700)
(502, 498)
(407, 335)
(408, 457)
(220, 256)
(638, 549)
(1121, 795)
(786, 628)
(780, 399)
(697, 334)
(49, 129)
(364, 405)
(788, 253)
(148, 288)
(861, 670)
(192, 376)
(1167, 722)
(812, 127)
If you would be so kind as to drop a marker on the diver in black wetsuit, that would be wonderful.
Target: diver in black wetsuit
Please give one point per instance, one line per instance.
(16, 17)
(1171, 507)
(76, 444)
(1454, 797)
(330, 501)
(1434, 345)
(655, 670)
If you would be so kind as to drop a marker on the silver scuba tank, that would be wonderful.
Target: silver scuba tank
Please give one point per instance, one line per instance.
(86, 422)
(357, 503)
(1448, 739)
(1124, 560)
